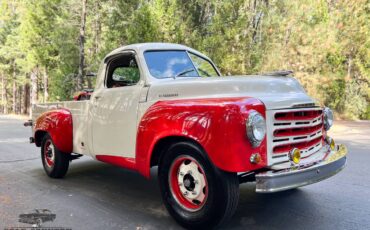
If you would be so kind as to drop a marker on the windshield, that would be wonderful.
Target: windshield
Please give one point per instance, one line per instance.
(177, 63)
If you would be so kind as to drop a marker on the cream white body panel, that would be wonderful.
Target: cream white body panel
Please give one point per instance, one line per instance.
(114, 121)
(81, 136)
(274, 92)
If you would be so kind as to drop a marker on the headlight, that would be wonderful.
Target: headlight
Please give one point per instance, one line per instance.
(328, 118)
(256, 128)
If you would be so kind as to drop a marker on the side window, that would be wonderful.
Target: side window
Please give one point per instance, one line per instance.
(123, 71)
(204, 67)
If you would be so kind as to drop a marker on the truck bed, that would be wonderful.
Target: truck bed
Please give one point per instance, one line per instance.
(79, 119)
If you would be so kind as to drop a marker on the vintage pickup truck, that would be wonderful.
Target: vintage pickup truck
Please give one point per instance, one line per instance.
(167, 105)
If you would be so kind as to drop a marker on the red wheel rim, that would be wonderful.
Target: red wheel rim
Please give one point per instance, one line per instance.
(188, 183)
(49, 153)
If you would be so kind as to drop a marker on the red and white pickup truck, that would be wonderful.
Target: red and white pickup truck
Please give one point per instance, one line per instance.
(167, 105)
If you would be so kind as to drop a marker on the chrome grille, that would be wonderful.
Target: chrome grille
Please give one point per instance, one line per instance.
(290, 128)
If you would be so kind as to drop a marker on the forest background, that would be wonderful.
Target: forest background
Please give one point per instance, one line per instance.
(48, 48)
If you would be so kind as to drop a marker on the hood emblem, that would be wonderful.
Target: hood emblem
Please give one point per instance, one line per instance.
(304, 105)
(168, 95)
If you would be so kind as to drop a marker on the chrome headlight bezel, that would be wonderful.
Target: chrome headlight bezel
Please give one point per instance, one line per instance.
(256, 128)
(328, 118)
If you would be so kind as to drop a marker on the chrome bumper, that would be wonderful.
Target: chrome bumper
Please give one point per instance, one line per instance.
(280, 180)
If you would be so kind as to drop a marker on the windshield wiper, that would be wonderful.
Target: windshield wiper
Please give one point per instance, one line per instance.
(184, 72)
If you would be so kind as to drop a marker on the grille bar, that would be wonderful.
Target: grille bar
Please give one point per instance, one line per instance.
(299, 145)
(296, 139)
(298, 115)
(297, 131)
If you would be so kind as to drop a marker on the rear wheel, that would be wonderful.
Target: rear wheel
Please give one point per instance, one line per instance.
(55, 162)
(197, 194)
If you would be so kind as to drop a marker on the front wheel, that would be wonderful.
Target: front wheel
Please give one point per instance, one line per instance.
(55, 162)
(195, 192)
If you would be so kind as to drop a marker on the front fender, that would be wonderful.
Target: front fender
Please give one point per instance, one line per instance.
(58, 124)
(217, 124)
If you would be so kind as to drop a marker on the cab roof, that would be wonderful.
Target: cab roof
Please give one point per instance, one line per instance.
(142, 47)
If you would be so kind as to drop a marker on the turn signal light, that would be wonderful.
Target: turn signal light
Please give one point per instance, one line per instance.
(331, 143)
(295, 156)
(255, 158)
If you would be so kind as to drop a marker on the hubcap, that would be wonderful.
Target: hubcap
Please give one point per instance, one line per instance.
(49, 153)
(188, 183)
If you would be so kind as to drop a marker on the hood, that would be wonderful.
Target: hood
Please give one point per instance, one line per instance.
(275, 92)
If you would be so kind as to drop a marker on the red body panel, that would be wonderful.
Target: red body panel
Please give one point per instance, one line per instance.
(217, 124)
(58, 124)
(123, 162)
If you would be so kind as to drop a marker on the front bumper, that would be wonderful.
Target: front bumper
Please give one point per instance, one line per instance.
(297, 176)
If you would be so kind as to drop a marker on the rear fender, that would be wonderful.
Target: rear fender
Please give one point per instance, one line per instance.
(216, 124)
(58, 124)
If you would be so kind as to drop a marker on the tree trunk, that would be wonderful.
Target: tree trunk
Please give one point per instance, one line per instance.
(14, 105)
(14, 90)
(4, 95)
(349, 69)
(46, 85)
(26, 98)
(81, 68)
(97, 29)
(34, 86)
(20, 99)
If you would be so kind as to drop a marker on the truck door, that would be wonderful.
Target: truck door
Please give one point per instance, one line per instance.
(114, 108)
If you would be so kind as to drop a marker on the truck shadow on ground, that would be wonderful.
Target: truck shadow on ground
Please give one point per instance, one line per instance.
(269, 211)
(119, 190)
